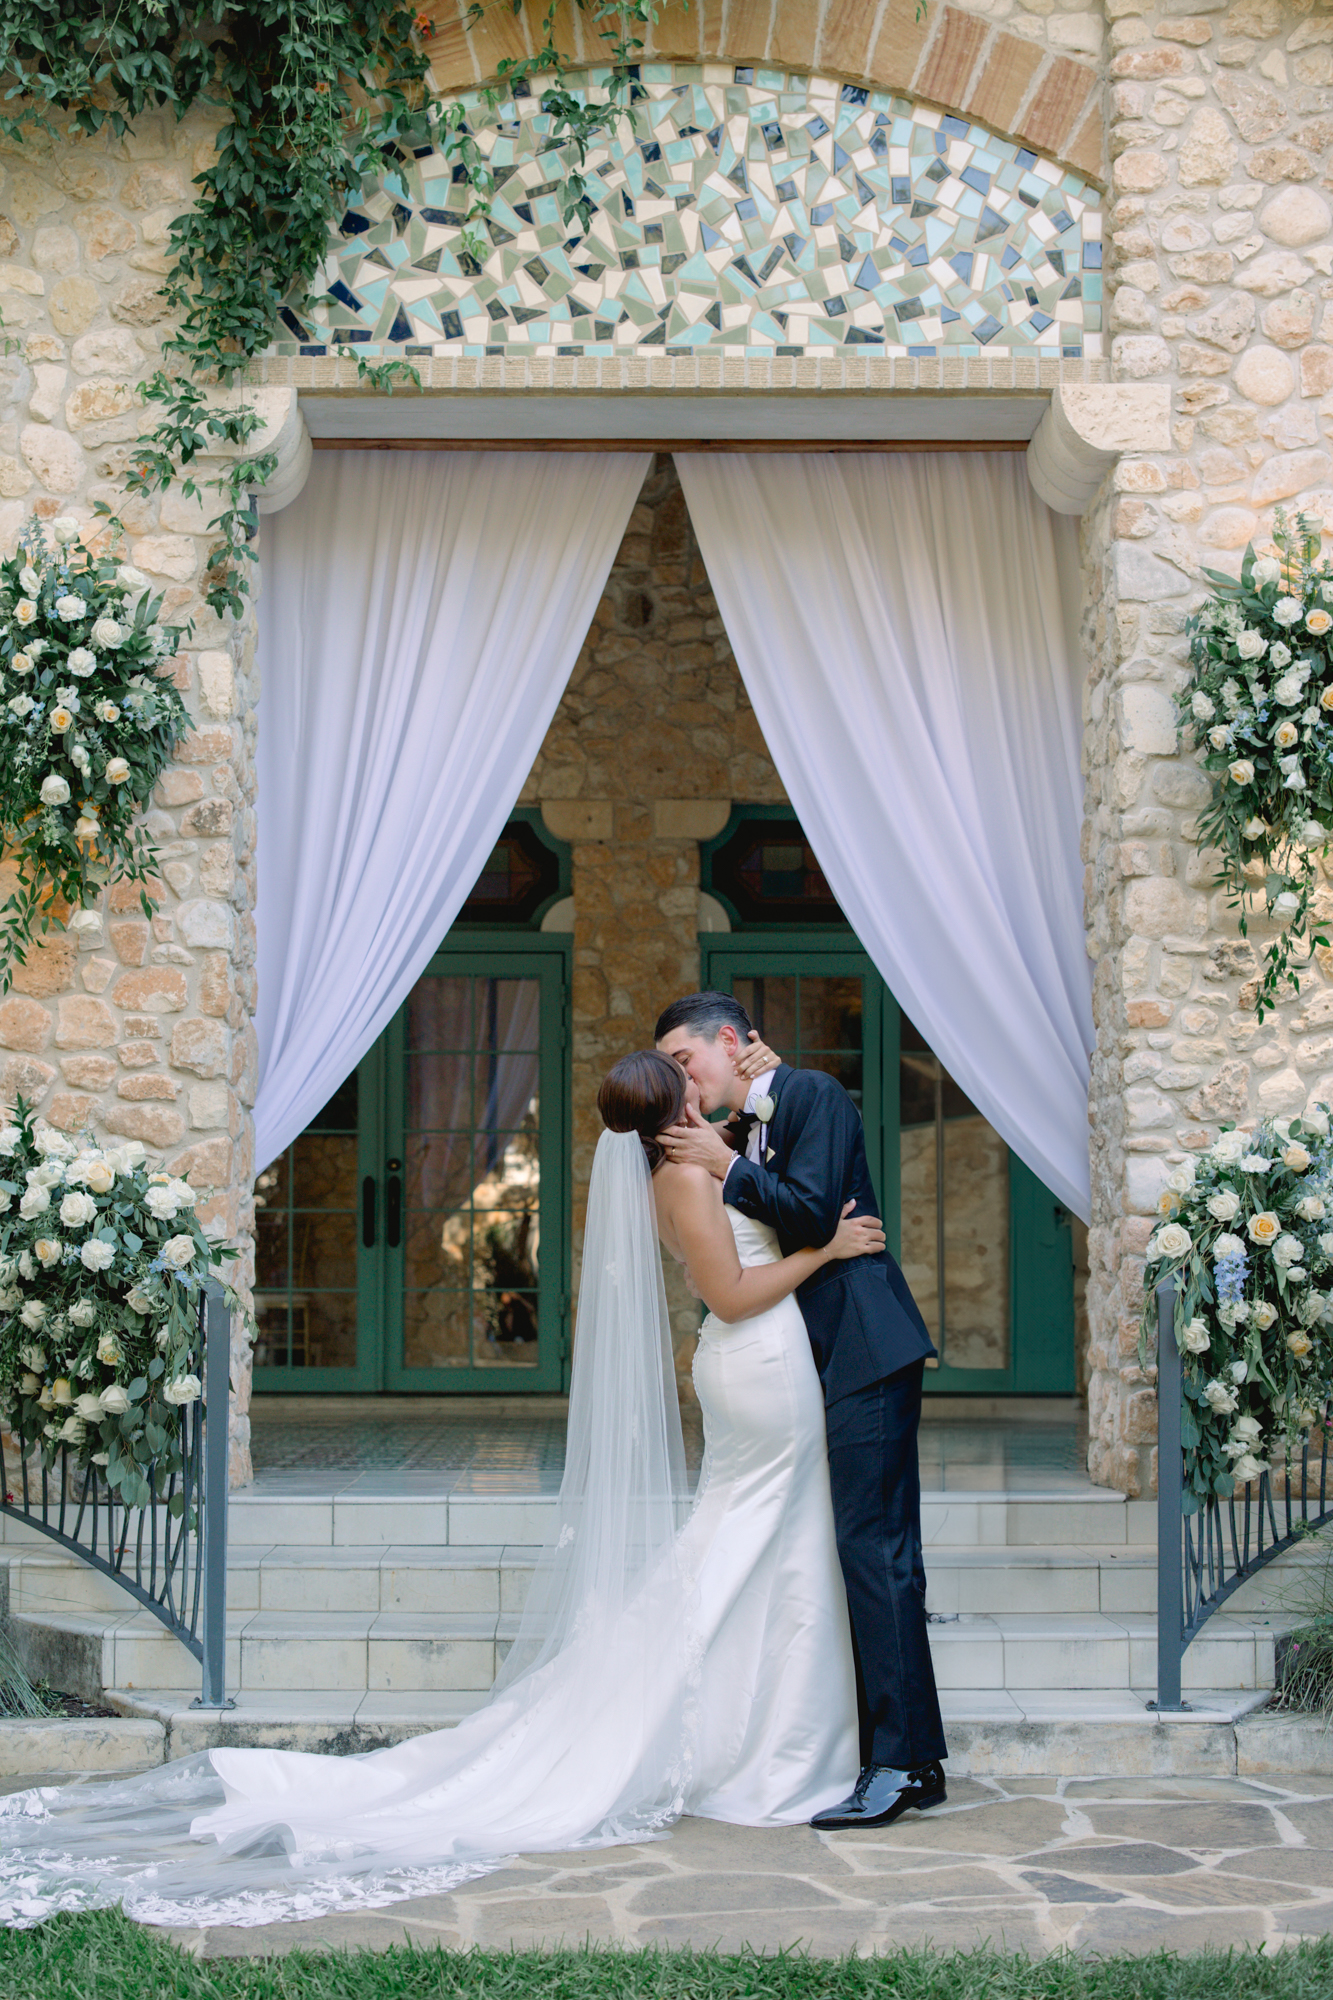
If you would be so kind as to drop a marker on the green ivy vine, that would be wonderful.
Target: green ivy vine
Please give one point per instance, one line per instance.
(317, 96)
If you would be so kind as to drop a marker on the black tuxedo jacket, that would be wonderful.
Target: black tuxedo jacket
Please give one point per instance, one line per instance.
(862, 1320)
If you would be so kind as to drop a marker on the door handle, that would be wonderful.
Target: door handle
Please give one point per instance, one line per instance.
(368, 1212)
(393, 1211)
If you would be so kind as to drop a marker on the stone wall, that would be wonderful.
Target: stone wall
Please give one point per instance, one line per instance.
(141, 1029)
(1222, 271)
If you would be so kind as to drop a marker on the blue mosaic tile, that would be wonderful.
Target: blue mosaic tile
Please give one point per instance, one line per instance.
(750, 212)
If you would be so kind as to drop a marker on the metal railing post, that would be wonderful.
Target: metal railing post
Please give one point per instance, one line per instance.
(1170, 1585)
(213, 1552)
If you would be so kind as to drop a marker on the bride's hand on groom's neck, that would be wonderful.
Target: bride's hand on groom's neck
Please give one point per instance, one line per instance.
(696, 1143)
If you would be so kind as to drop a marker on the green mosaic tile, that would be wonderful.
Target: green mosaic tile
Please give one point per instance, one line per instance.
(746, 210)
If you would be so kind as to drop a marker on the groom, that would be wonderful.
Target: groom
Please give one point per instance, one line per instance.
(800, 1155)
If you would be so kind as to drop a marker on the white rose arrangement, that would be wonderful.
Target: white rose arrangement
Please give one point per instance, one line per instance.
(101, 1261)
(89, 716)
(1259, 702)
(1244, 1226)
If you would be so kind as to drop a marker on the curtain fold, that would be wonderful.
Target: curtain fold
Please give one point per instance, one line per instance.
(905, 625)
(422, 613)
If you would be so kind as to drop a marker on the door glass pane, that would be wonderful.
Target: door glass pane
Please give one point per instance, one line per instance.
(305, 1258)
(955, 1212)
(473, 1184)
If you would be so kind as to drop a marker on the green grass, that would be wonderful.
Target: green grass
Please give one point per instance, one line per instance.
(105, 1957)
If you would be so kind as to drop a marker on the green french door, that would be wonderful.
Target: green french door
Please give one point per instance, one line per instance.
(985, 1247)
(414, 1238)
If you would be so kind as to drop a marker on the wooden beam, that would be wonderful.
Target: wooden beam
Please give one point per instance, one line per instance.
(750, 445)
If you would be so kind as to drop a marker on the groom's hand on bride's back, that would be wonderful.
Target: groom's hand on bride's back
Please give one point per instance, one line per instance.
(696, 1143)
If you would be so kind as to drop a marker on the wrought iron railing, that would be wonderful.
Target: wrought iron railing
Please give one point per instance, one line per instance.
(1204, 1557)
(172, 1554)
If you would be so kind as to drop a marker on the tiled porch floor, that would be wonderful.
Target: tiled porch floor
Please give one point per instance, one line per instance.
(446, 1446)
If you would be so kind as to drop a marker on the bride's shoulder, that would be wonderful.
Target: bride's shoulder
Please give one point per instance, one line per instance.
(681, 1176)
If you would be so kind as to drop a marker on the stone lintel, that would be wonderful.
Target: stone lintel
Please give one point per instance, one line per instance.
(690, 819)
(579, 819)
(1087, 427)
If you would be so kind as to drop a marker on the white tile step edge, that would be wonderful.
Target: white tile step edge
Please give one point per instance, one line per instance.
(1084, 1515)
(1014, 1578)
(458, 1652)
(1099, 1732)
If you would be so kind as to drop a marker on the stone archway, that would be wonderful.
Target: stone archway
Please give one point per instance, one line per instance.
(1031, 90)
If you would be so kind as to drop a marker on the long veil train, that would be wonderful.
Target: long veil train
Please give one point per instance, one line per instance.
(586, 1739)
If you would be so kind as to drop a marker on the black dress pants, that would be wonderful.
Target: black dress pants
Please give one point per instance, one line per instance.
(876, 1481)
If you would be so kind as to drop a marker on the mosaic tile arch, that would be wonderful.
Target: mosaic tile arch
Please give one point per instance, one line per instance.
(752, 211)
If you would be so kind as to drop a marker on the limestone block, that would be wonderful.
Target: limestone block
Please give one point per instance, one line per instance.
(145, 1087)
(579, 819)
(138, 302)
(204, 922)
(23, 1024)
(83, 1022)
(1278, 478)
(206, 1164)
(690, 819)
(1276, 271)
(1289, 322)
(1138, 356)
(1283, 1091)
(48, 392)
(1225, 1095)
(1087, 426)
(157, 1125)
(48, 968)
(1158, 906)
(1229, 528)
(178, 788)
(156, 990)
(1145, 1177)
(74, 303)
(1316, 371)
(25, 1077)
(1148, 720)
(1296, 216)
(1209, 152)
(15, 478)
(1142, 577)
(99, 400)
(174, 556)
(98, 973)
(54, 456)
(1227, 325)
(89, 1072)
(217, 683)
(107, 351)
(71, 1111)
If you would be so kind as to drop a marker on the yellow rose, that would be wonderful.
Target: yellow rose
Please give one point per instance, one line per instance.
(1299, 1344)
(1318, 622)
(1326, 698)
(1241, 772)
(1296, 1158)
(1286, 735)
(1265, 1228)
(61, 719)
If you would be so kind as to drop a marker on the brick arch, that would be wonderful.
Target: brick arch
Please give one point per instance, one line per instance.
(951, 58)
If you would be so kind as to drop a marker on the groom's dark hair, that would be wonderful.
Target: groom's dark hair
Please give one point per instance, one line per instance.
(703, 1014)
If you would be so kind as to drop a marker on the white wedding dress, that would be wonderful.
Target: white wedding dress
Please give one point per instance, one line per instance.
(672, 1659)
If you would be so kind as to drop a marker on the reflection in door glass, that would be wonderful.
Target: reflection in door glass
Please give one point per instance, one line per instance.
(955, 1211)
(811, 1020)
(305, 1247)
(472, 1125)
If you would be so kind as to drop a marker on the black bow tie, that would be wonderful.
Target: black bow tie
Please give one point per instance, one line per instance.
(742, 1124)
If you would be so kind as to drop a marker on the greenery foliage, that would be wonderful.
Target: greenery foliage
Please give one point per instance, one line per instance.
(1248, 1228)
(88, 723)
(106, 1957)
(1260, 704)
(316, 96)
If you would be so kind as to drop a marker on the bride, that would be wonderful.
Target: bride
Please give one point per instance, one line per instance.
(672, 1658)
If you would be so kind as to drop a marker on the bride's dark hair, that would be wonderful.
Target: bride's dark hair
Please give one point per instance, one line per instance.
(643, 1093)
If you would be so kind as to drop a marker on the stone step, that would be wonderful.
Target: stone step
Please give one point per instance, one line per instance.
(1009, 1578)
(457, 1652)
(1016, 1732)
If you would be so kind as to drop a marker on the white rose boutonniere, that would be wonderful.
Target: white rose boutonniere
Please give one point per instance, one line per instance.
(764, 1107)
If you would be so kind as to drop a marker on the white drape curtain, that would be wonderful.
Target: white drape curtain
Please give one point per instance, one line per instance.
(905, 625)
(421, 615)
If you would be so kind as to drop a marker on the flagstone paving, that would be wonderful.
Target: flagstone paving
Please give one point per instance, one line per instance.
(1093, 1865)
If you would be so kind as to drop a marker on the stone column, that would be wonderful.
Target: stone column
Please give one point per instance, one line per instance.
(1221, 257)
(138, 1029)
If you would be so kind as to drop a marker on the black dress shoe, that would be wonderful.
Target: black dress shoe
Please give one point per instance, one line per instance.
(883, 1794)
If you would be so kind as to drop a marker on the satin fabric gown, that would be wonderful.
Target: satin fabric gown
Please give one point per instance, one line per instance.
(775, 1721)
(750, 1718)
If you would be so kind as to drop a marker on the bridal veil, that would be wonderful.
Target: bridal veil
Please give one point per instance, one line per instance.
(585, 1740)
